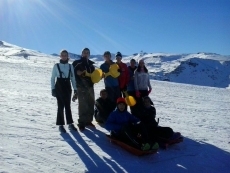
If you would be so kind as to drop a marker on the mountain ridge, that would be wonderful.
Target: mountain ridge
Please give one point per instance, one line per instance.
(205, 69)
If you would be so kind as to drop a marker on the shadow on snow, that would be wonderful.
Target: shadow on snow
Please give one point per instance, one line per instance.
(188, 156)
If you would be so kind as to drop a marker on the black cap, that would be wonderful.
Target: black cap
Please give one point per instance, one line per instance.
(118, 54)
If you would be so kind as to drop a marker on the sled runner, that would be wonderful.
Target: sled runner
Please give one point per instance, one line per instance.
(129, 148)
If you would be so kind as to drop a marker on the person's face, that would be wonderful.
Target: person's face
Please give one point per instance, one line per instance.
(121, 106)
(104, 95)
(142, 63)
(107, 57)
(118, 58)
(147, 103)
(64, 56)
(132, 63)
(85, 54)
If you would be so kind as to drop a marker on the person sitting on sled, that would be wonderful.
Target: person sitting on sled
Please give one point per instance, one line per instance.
(147, 116)
(103, 107)
(124, 126)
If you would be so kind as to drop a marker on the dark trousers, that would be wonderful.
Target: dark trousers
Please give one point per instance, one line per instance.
(143, 94)
(86, 101)
(113, 93)
(163, 132)
(64, 101)
(159, 133)
(128, 135)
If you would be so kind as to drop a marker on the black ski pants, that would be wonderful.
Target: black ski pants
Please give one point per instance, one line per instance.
(64, 102)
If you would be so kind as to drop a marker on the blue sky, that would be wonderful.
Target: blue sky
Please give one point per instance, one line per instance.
(128, 26)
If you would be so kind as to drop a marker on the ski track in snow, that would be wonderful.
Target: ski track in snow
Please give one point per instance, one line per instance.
(30, 141)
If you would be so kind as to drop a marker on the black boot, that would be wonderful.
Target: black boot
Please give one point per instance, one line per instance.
(81, 127)
(62, 129)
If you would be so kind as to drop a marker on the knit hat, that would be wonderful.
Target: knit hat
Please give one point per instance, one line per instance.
(118, 54)
(121, 100)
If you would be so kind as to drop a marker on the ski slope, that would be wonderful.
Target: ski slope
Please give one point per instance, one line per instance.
(30, 141)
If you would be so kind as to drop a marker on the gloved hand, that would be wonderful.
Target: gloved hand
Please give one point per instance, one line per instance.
(149, 91)
(138, 94)
(74, 98)
(54, 93)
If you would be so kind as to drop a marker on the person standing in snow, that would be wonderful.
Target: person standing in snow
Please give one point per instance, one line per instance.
(141, 82)
(63, 73)
(111, 83)
(123, 79)
(85, 89)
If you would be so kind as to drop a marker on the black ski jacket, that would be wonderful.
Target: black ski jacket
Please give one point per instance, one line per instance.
(82, 65)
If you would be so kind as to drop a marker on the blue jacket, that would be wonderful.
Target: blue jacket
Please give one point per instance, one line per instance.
(117, 120)
(109, 80)
(131, 86)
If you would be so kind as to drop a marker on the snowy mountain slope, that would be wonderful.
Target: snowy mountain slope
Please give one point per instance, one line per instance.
(13, 52)
(205, 69)
(30, 141)
(198, 69)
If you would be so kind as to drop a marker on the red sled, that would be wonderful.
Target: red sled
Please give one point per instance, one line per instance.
(129, 148)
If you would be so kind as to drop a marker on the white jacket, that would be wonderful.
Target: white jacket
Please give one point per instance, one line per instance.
(141, 81)
(65, 72)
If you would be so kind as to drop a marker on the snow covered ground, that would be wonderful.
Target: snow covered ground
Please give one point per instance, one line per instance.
(30, 141)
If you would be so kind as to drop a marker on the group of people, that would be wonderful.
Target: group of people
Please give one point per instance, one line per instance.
(138, 128)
